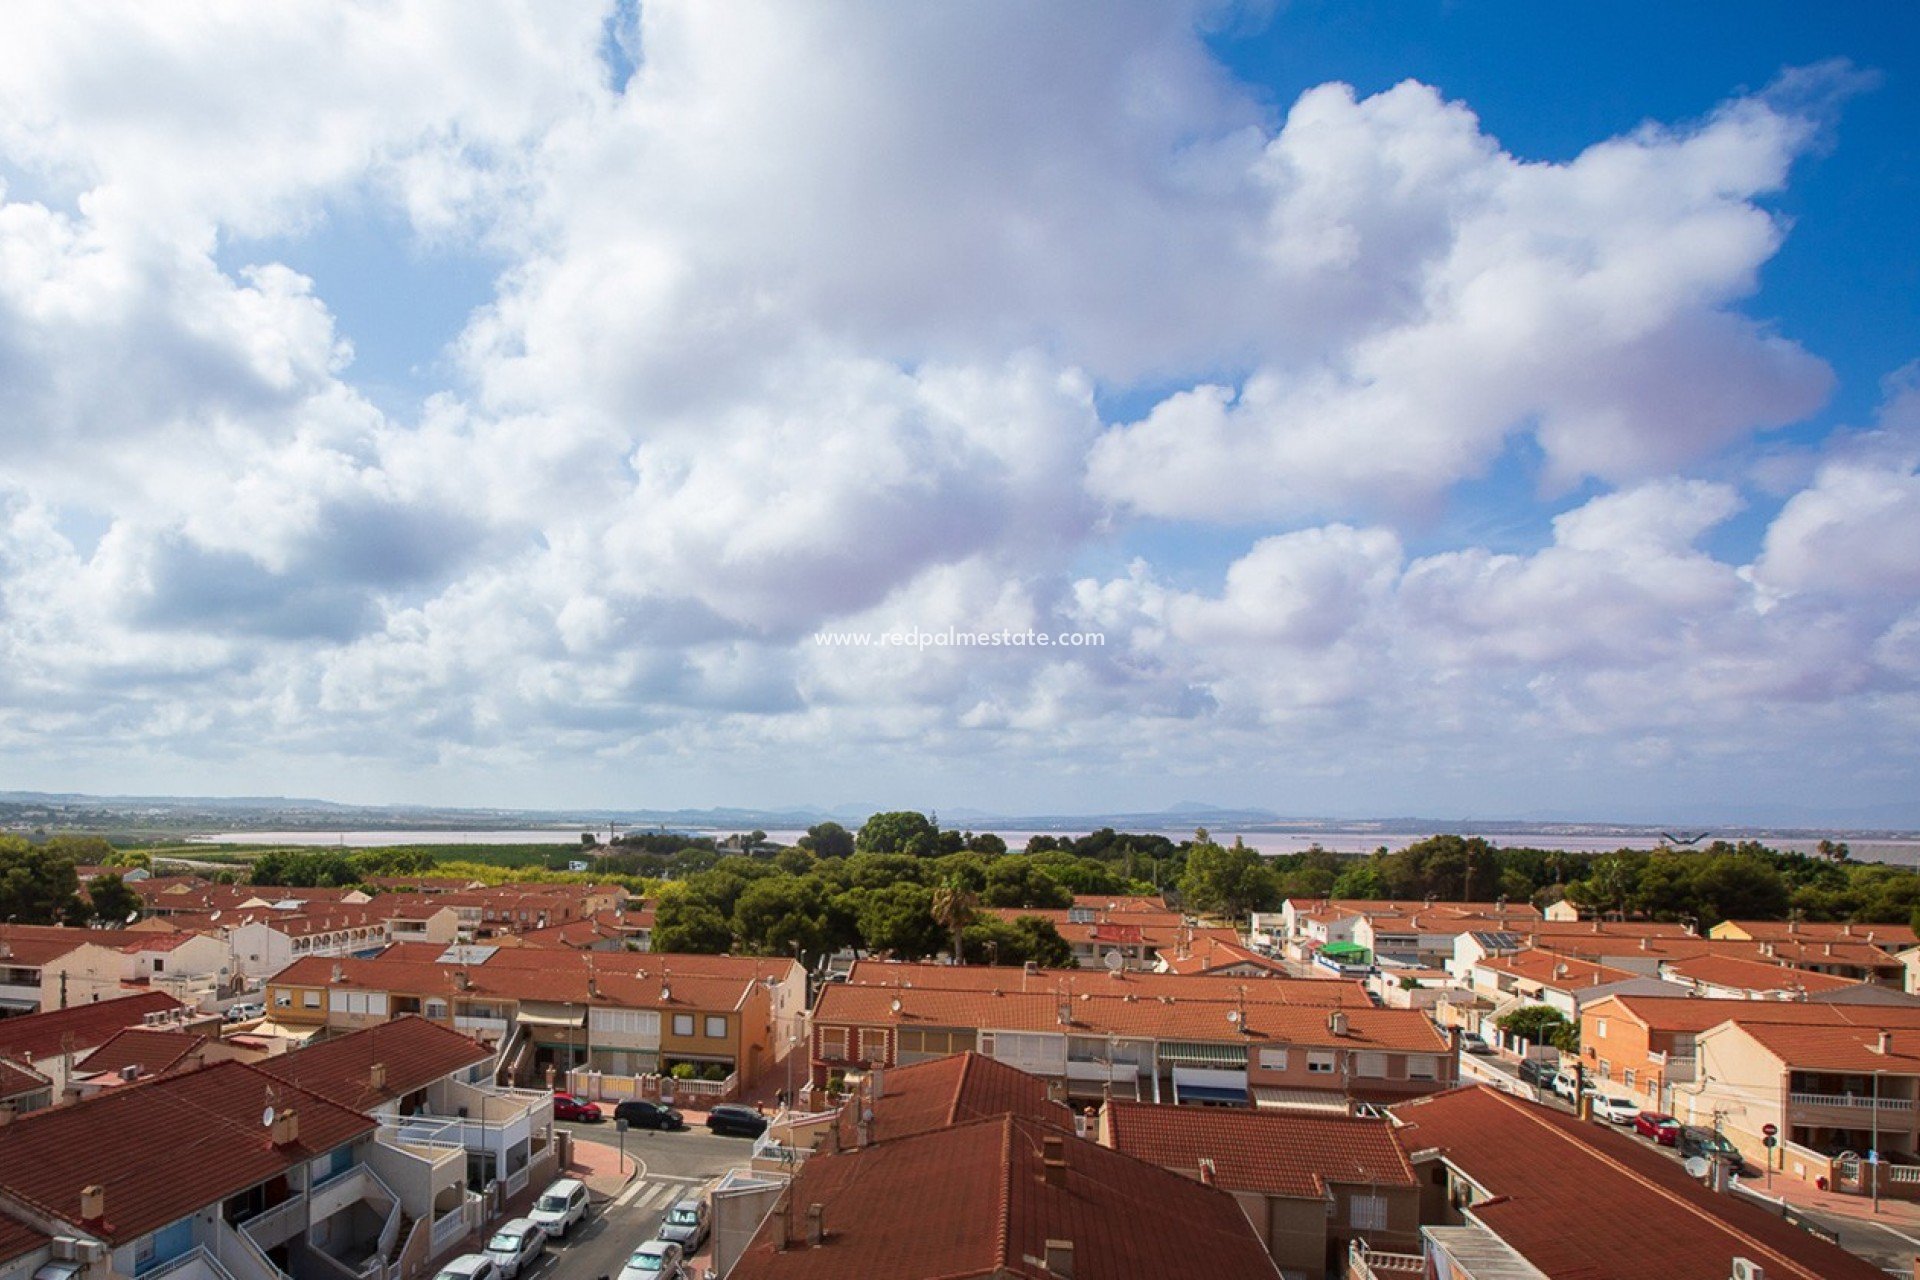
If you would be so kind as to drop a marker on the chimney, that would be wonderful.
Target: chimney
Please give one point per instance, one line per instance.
(1060, 1258)
(816, 1225)
(1643, 943)
(1827, 949)
(462, 980)
(779, 1217)
(1054, 1160)
(1793, 925)
(877, 1082)
(1766, 948)
(1208, 1175)
(1337, 1023)
(377, 1077)
(1056, 1091)
(286, 1128)
(93, 1203)
(339, 972)
(1846, 930)
(1885, 1044)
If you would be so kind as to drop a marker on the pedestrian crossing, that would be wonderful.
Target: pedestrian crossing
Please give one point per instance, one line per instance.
(655, 1193)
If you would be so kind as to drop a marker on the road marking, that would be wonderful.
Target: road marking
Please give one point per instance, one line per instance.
(626, 1197)
(660, 1197)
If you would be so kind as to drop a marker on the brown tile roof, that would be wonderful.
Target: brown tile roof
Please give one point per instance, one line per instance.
(1517, 911)
(1694, 1014)
(548, 975)
(1563, 973)
(1550, 1174)
(1167, 1018)
(1829, 1048)
(1879, 935)
(17, 1239)
(1215, 953)
(1320, 992)
(971, 1201)
(16, 1079)
(414, 1051)
(1246, 1146)
(954, 1090)
(35, 945)
(1751, 975)
(201, 1129)
(40, 1036)
(149, 1048)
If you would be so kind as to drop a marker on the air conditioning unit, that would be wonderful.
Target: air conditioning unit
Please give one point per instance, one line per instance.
(1745, 1270)
(74, 1249)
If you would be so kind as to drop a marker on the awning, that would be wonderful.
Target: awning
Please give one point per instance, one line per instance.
(1320, 1100)
(19, 1006)
(1192, 1084)
(282, 1031)
(1175, 1054)
(534, 1014)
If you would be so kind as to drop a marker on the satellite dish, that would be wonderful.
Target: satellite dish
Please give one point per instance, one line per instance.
(214, 916)
(1696, 1166)
(896, 1004)
(1114, 961)
(132, 916)
(266, 1117)
(1233, 1016)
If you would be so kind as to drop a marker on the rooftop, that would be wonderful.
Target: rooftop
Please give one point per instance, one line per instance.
(151, 1049)
(39, 1036)
(412, 1052)
(952, 1090)
(1245, 1147)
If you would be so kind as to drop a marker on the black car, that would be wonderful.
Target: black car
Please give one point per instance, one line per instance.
(1695, 1141)
(1538, 1071)
(731, 1117)
(641, 1114)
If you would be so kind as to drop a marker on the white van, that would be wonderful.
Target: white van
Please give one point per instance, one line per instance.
(560, 1206)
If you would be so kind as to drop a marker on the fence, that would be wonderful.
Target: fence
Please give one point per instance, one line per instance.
(603, 1087)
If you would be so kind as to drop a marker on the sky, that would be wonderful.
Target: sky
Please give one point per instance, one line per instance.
(1439, 407)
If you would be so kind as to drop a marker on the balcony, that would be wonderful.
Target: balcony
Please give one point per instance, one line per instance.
(1102, 1070)
(1852, 1106)
(195, 1264)
(273, 1227)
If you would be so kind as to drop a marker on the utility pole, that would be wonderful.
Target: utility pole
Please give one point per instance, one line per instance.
(1873, 1152)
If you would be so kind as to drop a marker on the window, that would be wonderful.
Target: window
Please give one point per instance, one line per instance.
(1370, 1064)
(683, 1024)
(358, 1003)
(937, 1043)
(1627, 1079)
(1273, 1059)
(1600, 1028)
(716, 1027)
(1606, 1069)
(626, 1022)
(833, 1044)
(284, 999)
(436, 1008)
(309, 999)
(1367, 1212)
(1421, 1066)
(873, 1044)
(1320, 1062)
(159, 964)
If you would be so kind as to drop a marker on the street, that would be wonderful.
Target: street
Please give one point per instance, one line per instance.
(668, 1166)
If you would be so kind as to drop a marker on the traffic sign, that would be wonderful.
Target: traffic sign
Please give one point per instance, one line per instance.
(1769, 1129)
(1769, 1142)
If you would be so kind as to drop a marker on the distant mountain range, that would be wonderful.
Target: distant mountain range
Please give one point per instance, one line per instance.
(270, 813)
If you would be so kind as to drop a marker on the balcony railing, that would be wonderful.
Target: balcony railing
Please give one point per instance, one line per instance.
(276, 1226)
(1851, 1101)
(196, 1263)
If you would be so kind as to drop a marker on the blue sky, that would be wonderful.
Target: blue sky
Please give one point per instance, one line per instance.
(1442, 408)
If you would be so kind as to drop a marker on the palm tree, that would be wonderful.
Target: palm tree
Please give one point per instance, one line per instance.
(954, 908)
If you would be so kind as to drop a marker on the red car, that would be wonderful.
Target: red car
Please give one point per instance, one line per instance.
(568, 1107)
(1663, 1129)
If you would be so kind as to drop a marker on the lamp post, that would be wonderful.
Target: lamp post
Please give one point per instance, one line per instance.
(1873, 1152)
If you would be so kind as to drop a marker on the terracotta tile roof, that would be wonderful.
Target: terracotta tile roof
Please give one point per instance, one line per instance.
(1414, 906)
(1559, 972)
(149, 1048)
(34, 945)
(1329, 993)
(971, 1201)
(1750, 975)
(17, 1239)
(1693, 1014)
(40, 1036)
(1547, 1172)
(203, 1130)
(1829, 1048)
(1245, 1147)
(1182, 1018)
(412, 906)
(1213, 953)
(953, 1090)
(623, 981)
(414, 1051)
(1879, 935)
(16, 1079)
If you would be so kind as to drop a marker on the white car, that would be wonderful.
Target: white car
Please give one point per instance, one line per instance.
(1616, 1110)
(515, 1245)
(245, 1012)
(560, 1206)
(469, 1266)
(655, 1260)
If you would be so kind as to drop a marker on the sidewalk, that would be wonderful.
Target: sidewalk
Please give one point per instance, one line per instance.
(599, 1167)
(1900, 1215)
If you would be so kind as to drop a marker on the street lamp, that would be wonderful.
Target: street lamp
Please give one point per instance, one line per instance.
(1873, 1151)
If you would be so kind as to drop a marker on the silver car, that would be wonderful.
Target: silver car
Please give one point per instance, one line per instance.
(686, 1224)
(515, 1245)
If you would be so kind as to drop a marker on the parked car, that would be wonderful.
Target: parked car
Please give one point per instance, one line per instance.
(1613, 1109)
(641, 1114)
(560, 1206)
(245, 1012)
(656, 1260)
(1471, 1043)
(469, 1266)
(1695, 1141)
(686, 1223)
(731, 1117)
(1567, 1085)
(515, 1245)
(1538, 1071)
(1659, 1126)
(568, 1107)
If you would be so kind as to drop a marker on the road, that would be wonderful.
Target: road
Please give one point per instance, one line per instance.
(669, 1166)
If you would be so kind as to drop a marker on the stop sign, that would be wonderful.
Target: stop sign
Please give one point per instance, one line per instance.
(1769, 1129)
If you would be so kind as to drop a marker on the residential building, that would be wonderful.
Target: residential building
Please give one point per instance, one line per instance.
(194, 968)
(22, 1089)
(1724, 977)
(51, 1043)
(25, 952)
(1311, 1185)
(1075, 982)
(1502, 1178)
(419, 918)
(264, 943)
(1890, 938)
(1559, 982)
(140, 1053)
(1001, 1198)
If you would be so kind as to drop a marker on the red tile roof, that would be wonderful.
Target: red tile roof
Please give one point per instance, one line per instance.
(1691, 1013)
(148, 1048)
(1751, 975)
(1556, 1181)
(623, 980)
(1879, 935)
(34, 945)
(1562, 973)
(40, 1036)
(971, 1201)
(16, 1079)
(1210, 954)
(17, 1239)
(1317, 992)
(1246, 1147)
(1166, 1018)
(414, 1052)
(206, 1138)
(953, 1090)
(1829, 1048)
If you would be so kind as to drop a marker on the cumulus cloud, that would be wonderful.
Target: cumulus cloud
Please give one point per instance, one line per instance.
(811, 324)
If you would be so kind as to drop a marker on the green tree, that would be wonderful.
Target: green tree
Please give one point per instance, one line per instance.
(1229, 882)
(783, 915)
(113, 903)
(684, 923)
(828, 840)
(897, 920)
(901, 831)
(1017, 882)
(1539, 1023)
(36, 886)
(955, 907)
(1024, 939)
(1362, 880)
(83, 850)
